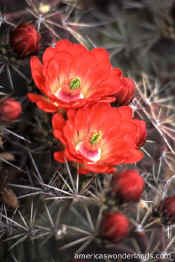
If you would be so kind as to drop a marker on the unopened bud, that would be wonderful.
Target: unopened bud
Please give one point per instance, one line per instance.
(10, 109)
(25, 40)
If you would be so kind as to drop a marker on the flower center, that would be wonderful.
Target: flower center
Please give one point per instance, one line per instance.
(67, 91)
(88, 146)
(91, 154)
(96, 137)
(75, 83)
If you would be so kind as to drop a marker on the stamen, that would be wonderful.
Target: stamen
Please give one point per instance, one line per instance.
(75, 83)
(96, 137)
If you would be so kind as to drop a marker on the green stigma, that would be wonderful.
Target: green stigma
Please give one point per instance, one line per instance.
(75, 83)
(96, 137)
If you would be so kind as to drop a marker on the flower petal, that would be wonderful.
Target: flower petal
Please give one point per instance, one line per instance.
(37, 72)
(58, 121)
(59, 156)
(43, 103)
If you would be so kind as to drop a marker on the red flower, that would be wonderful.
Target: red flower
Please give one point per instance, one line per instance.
(166, 210)
(128, 185)
(115, 226)
(99, 137)
(72, 76)
(25, 40)
(10, 109)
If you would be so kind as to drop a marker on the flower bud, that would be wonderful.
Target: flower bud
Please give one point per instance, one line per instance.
(126, 93)
(128, 185)
(166, 210)
(25, 40)
(10, 109)
(115, 226)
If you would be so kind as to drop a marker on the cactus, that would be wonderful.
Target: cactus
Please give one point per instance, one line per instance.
(72, 209)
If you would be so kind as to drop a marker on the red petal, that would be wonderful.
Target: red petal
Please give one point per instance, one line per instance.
(59, 135)
(78, 50)
(134, 156)
(59, 66)
(34, 97)
(43, 103)
(47, 107)
(111, 84)
(59, 156)
(72, 157)
(48, 54)
(37, 72)
(100, 169)
(101, 55)
(62, 45)
(141, 132)
(75, 49)
(58, 121)
(83, 171)
(126, 112)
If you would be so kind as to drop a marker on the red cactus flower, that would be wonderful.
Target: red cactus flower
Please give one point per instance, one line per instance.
(99, 137)
(115, 226)
(166, 210)
(71, 76)
(128, 185)
(10, 109)
(25, 40)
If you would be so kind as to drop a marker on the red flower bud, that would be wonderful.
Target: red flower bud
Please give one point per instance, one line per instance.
(10, 109)
(128, 185)
(25, 40)
(126, 93)
(115, 226)
(166, 210)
